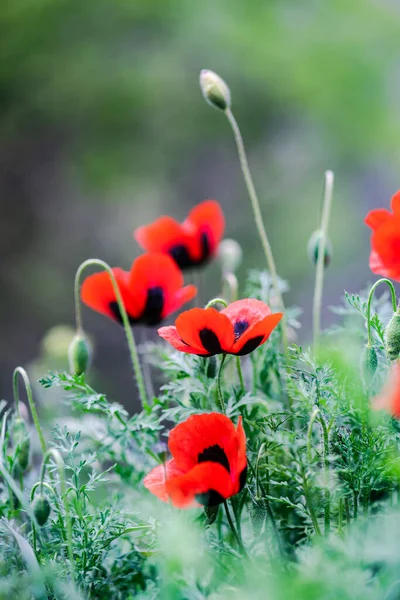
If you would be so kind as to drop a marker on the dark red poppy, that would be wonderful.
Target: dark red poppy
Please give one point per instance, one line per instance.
(238, 329)
(151, 291)
(385, 241)
(208, 466)
(191, 243)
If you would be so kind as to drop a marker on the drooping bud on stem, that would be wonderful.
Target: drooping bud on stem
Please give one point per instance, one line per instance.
(215, 90)
(314, 245)
(369, 364)
(392, 336)
(230, 254)
(41, 509)
(22, 443)
(79, 353)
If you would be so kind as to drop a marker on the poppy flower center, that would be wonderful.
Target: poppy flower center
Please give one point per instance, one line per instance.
(214, 454)
(154, 305)
(210, 341)
(239, 328)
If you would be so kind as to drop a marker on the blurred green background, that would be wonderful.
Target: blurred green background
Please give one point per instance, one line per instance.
(103, 128)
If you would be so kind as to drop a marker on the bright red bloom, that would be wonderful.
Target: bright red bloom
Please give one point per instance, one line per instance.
(238, 329)
(208, 466)
(191, 243)
(151, 291)
(385, 241)
(389, 399)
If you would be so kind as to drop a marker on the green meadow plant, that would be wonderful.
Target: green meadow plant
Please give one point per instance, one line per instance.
(260, 468)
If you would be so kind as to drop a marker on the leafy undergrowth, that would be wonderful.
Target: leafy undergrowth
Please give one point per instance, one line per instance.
(318, 517)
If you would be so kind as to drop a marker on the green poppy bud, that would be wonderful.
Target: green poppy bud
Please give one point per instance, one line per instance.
(313, 248)
(41, 509)
(230, 254)
(79, 353)
(22, 444)
(215, 90)
(369, 364)
(258, 515)
(392, 337)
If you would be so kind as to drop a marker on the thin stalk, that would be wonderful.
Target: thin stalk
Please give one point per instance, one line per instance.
(319, 277)
(310, 506)
(258, 218)
(63, 488)
(340, 515)
(371, 295)
(240, 373)
(219, 388)
(215, 301)
(20, 371)
(327, 508)
(125, 321)
(355, 502)
(314, 415)
(233, 529)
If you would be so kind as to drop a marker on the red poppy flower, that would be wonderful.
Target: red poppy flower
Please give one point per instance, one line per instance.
(191, 243)
(238, 329)
(151, 291)
(385, 241)
(389, 399)
(208, 466)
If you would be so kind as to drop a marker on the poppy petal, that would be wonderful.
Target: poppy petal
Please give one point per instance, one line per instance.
(207, 222)
(155, 480)
(171, 335)
(97, 292)
(160, 235)
(395, 203)
(256, 335)
(206, 329)
(189, 440)
(208, 484)
(377, 266)
(386, 243)
(180, 297)
(243, 314)
(376, 218)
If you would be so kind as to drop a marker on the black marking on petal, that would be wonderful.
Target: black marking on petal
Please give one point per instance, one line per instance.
(153, 307)
(210, 498)
(113, 306)
(240, 327)
(214, 454)
(242, 478)
(205, 246)
(181, 256)
(250, 345)
(210, 341)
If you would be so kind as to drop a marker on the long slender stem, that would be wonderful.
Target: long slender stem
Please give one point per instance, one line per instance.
(23, 374)
(219, 388)
(310, 505)
(258, 217)
(240, 373)
(371, 295)
(314, 415)
(125, 321)
(233, 529)
(319, 277)
(325, 437)
(63, 488)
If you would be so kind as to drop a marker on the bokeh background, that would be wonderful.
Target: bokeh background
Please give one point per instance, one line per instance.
(103, 128)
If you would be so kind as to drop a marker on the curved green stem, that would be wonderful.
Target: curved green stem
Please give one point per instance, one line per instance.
(215, 301)
(240, 373)
(258, 217)
(125, 321)
(53, 453)
(219, 388)
(233, 528)
(314, 415)
(20, 371)
(370, 296)
(319, 277)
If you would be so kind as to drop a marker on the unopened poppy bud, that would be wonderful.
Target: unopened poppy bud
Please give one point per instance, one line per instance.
(215, 90)
(41, 509)
(369, 364)
(313, 248)
(22, 444)
(230, 254)
(392, 337)
(79, 353)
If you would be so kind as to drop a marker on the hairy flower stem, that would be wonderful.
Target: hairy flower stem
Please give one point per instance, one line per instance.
(53, 453)
(219, 388)
(258, 218)
(240, 373)
(20, 371)
(319, 277)
(233, 529)
(125, 321)
(314, 415)
(371, 295)
(309, 505)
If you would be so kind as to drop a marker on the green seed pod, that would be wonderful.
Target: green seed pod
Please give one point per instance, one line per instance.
(313, 248)
(392, 337)
(369, 364)
(79, 353)
(215, 90)
(41, 509)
